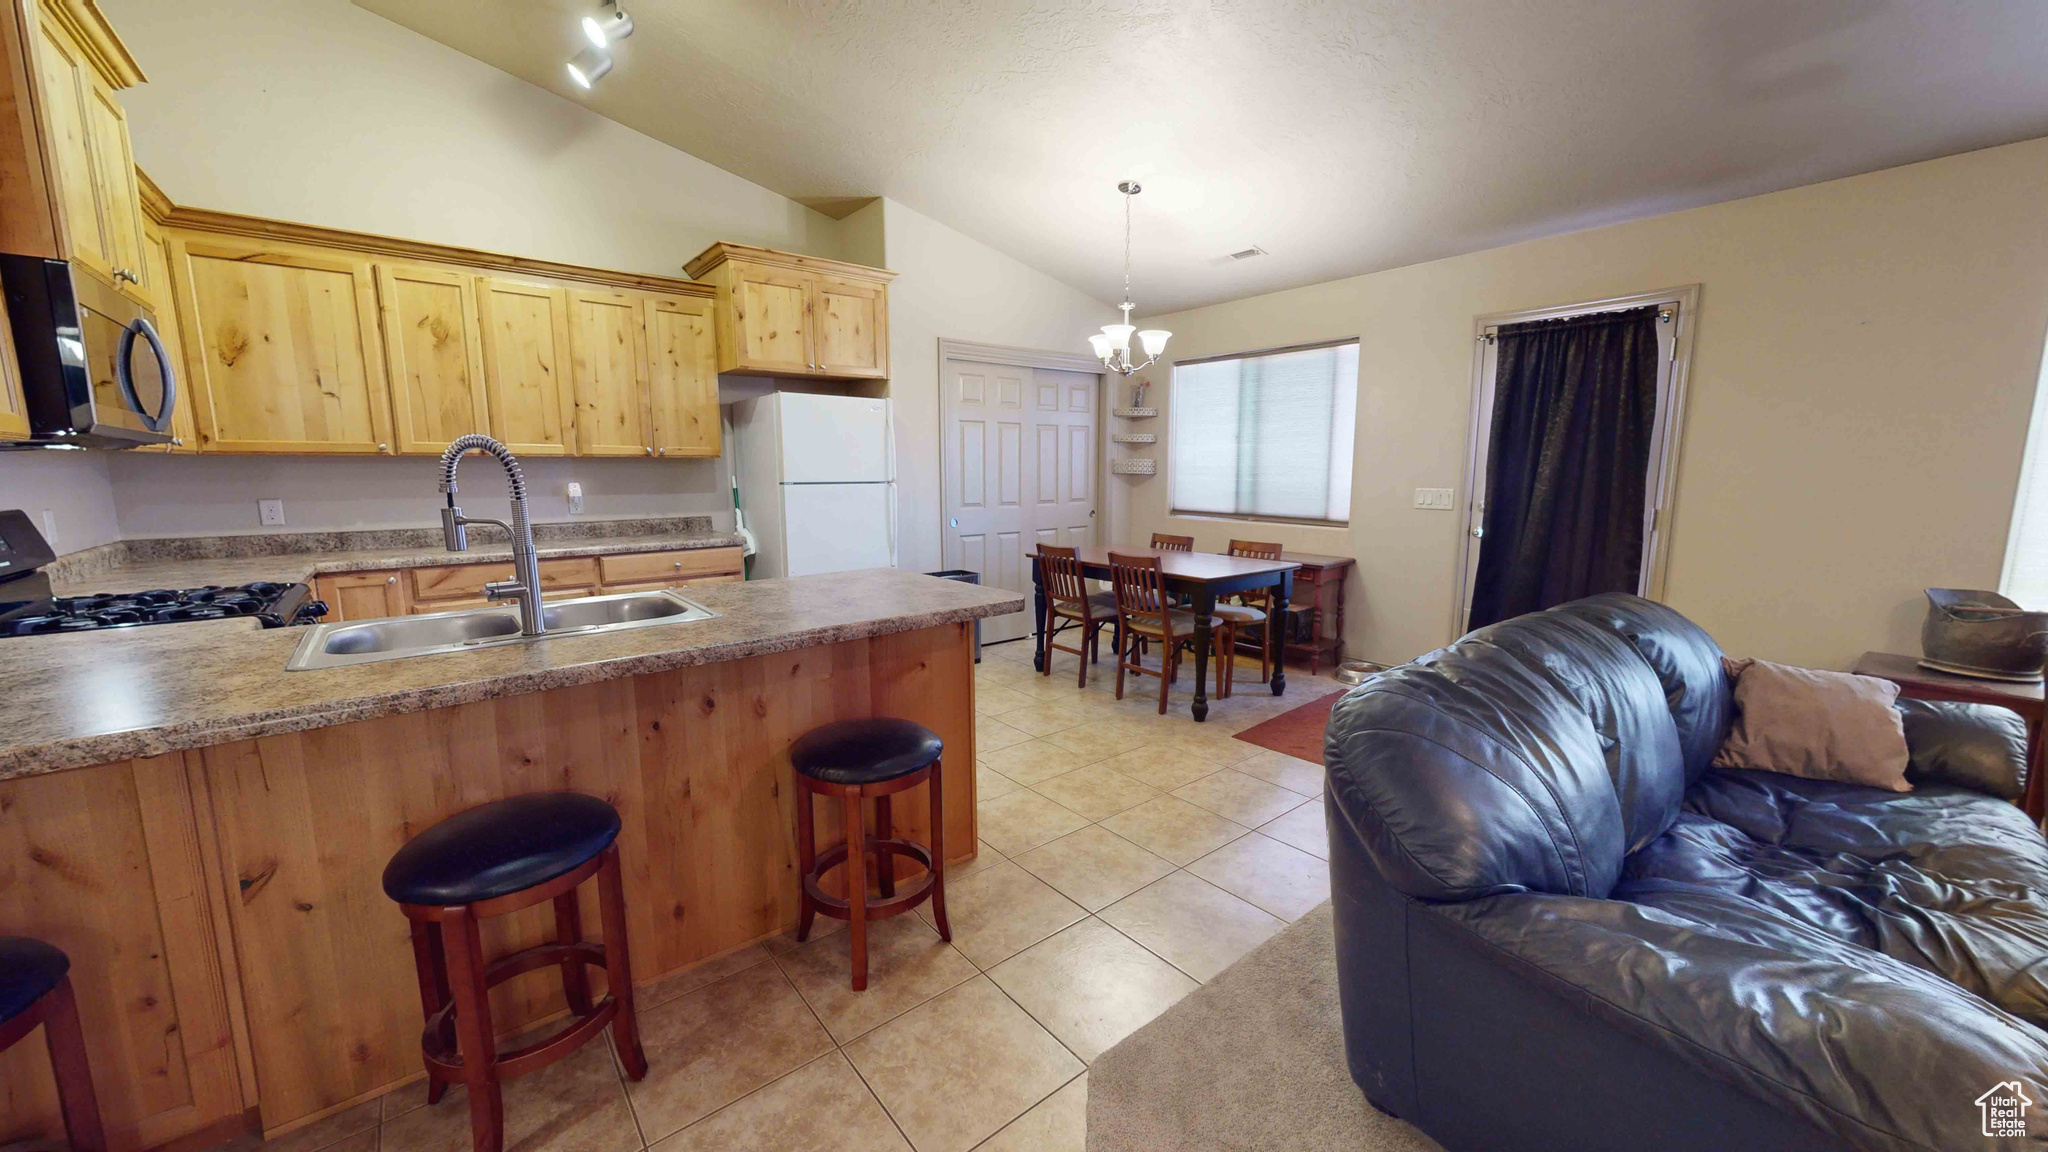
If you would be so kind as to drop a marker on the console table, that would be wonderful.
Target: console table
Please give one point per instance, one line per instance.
(1315, 574)
(1927, 684)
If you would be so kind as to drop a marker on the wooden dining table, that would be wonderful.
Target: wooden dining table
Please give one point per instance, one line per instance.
(1203, 576)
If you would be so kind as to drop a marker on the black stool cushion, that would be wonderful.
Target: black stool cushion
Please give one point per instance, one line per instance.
(502, 847)
(28, 970)
(865, 751)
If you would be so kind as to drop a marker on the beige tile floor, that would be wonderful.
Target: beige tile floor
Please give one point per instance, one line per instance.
(1126, 858)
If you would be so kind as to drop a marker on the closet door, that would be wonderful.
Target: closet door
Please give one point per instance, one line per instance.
(526, 366)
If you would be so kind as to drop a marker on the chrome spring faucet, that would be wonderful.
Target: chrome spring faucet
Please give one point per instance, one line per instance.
(524, 587)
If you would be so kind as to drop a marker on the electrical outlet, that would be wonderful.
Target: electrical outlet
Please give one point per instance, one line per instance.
(271, 512)
(575, 498)
(1435, 499)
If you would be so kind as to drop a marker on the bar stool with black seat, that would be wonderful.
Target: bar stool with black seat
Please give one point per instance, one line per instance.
(853, 760)
(491, 861)
(35, 989)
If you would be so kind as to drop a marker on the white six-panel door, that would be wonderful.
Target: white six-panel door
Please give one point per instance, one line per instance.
(1019, 457)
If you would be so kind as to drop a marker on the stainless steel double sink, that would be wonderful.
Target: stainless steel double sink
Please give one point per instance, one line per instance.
(337, 645)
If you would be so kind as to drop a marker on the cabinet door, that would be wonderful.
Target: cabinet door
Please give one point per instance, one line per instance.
(283, 349)
(156, 272)
(110, 864)
(354, 596)
(609, 345)
(432, 349)
(526, 359)
(682, 376)
(13, 408)
(67, 94)
(771, 319)
(120, 198)
(851, 322)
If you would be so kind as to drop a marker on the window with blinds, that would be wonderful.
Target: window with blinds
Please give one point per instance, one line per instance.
(2025, 579)
(1266, 437)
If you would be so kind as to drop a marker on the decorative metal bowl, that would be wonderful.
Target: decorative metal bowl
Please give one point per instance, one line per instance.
(1972, 632)
(1356, 672)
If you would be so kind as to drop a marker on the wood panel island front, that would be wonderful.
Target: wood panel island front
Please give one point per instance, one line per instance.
(204, 833)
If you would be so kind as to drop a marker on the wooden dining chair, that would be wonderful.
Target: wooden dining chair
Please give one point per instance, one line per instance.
(1069, 603)
(1144, 612)
(1161, 542)
(1254, 609)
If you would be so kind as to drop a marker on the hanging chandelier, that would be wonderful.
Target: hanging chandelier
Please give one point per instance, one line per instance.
(1113, 344)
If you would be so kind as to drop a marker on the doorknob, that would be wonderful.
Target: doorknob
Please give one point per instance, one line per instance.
(1478, 533)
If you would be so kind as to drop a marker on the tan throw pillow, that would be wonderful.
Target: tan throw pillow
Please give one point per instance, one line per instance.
(1820, 725)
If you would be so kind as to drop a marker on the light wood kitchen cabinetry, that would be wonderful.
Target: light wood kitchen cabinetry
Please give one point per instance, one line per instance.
(783, 314)
(445, 587)
(282, 347)
(433, 350)
(363, 595)
(65, 163)
(113, 865)
(526, 361)
(156, 262)
(13, 407)
(682, 381)
(608, 353)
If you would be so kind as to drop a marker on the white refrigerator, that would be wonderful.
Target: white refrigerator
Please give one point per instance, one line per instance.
(817, 481)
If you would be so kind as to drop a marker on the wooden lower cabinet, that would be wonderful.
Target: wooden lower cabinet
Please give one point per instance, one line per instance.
(696, 760)
(117, 866)
(448, 587)
(362, 595)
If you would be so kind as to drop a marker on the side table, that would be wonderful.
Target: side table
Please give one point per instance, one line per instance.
(1927, 684)
(1316, 573)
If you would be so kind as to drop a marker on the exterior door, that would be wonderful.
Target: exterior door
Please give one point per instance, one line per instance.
(1019, 457)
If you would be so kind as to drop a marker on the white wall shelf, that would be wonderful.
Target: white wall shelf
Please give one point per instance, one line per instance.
(1134, 413)
(1135, 437)
(1134, 466)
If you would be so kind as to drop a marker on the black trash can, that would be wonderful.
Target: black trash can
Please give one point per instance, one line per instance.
(965, 577)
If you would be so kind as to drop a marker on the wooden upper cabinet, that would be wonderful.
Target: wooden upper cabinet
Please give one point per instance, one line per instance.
(67, 97)
(434, 354)
(526, 366)
(682, 383)
(782, 314)
(156, 265)
(283, 349)
(608, 345)
(851, 323)
(119, 195)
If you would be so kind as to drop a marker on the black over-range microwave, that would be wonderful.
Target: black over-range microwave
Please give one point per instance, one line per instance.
(94, 371)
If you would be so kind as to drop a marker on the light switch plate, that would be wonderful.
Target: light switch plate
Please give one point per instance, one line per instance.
(1438, 499)
(271, 512)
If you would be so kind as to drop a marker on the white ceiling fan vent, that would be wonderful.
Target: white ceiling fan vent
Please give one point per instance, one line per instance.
(1249, 253)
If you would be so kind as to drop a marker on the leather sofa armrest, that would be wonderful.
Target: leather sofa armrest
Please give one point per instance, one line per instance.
(1978, 746)
(1880, 1053)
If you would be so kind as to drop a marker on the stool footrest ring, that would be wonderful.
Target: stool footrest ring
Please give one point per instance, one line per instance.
(443, 1053)
(838, 908)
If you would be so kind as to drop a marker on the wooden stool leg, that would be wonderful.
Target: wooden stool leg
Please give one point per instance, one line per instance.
(856, 889)
(806, 862)
(939, 853)
(885, 862)
(569, 930)
(618, 965)
(431, 963)
(473, 1033)
(75, 1096)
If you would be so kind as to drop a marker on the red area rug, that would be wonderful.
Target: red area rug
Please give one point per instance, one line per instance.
(1297, 732)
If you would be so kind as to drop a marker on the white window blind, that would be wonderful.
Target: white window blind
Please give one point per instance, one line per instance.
(1266, 436)
(2025, 579)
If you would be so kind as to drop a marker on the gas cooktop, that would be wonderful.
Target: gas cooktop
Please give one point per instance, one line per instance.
(275, 605)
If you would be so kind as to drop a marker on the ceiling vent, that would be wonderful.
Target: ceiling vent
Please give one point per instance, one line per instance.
(1248, 253)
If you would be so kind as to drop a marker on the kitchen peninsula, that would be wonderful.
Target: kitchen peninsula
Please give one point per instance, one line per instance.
(204, 832)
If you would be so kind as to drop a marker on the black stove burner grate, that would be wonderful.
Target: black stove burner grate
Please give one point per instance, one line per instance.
(276, 603)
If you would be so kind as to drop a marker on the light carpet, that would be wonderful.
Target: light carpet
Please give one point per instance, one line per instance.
(1252, 1062)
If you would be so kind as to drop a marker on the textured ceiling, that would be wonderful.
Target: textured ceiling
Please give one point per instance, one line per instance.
(1340, 137)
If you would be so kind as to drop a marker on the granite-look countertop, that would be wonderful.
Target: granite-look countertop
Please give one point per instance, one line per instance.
(94, 697)
(301, 567)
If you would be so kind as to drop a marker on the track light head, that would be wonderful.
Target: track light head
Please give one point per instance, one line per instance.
(589, 66)
(610, 25)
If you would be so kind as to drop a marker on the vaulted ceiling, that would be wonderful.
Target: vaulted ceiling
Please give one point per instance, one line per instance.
(1340, 137)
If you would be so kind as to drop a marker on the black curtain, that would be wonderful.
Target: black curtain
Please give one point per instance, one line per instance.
(1574, 409)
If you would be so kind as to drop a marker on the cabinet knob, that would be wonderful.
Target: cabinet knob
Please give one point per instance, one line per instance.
(391, 579)
(661, 451)
(125, 274)
(679, 565)
(177, 441)
(650, 451)
(383, 447)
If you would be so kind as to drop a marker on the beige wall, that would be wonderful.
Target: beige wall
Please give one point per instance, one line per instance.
(952, 287)
(1866, 359)
(73, 487)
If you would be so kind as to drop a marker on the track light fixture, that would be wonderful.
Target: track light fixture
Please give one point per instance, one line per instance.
(610, 25)
(589, 66)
